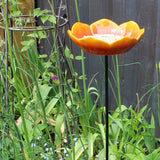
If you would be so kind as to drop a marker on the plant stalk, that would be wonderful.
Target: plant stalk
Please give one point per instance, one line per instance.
(6, 52)
(14, 74)
(118, 83)
(82, 55)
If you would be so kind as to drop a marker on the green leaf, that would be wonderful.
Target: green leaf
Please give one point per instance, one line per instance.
(133, 156)
(33, 35)
(93, 90)
(14, 5)
(16, 13)
(68, 54)
(42, 34)
(153, 156)
(44, 18)
(48, 64)
(101, 111)
(58, 135)
(103, 134)
(43, 56)
(75, 90)
(81, 77)
(139, 116)
(29, 129)
(52, 103)
(28, 43)
(52, 19)
(102, 155)
(25, 48)
(79, 57)
(117, 121)
(81, 145)
(44, 91)
(91, 139)
(149, 136)
(116, 113)
(36, 12)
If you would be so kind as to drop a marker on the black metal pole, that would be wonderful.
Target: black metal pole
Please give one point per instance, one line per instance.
(106, 95)
(6, 52)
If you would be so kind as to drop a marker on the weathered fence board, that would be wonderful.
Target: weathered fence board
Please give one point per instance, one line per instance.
(133, 77)
(90, 11)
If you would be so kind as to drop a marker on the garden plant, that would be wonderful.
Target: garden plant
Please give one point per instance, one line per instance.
(46, 114)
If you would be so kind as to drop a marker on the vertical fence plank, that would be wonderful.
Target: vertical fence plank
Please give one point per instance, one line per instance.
(90, 11)
(133, 77)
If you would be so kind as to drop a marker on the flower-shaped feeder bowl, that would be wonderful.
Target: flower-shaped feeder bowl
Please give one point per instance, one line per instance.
(105, 37)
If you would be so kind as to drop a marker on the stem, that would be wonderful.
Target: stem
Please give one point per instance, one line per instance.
(119, 92)
(138, 109)
(82, 55)
(6, 50)
(44, 114)
(14, 75)
(118, 83)
(77, 10)
(67, 125)
(83, 73)
(35, 82)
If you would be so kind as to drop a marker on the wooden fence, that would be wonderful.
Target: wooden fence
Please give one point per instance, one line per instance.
(143, 57)
(137, 67)
(140, 73)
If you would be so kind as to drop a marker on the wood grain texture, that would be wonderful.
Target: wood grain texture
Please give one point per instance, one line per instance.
(133, 78)
(141, 76)
(140, 73)
(90, 11)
